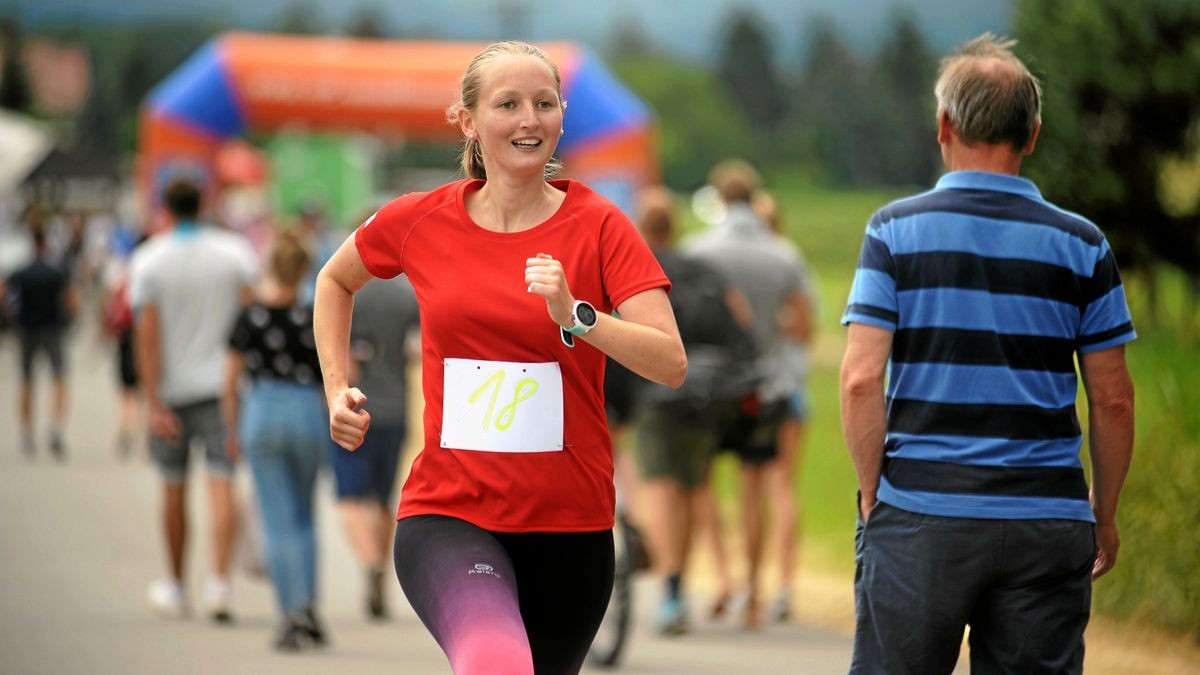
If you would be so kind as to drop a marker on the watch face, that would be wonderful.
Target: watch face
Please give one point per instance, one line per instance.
(586, 314)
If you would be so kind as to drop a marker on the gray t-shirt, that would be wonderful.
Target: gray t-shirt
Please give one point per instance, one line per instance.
(385, 316)
(767, 272)
(194, 276)
(792, 354)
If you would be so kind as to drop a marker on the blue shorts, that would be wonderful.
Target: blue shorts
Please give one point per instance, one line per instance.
(370, 471)
(798, 408)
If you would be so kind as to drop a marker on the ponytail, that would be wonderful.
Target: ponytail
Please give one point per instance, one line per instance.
(472, 159)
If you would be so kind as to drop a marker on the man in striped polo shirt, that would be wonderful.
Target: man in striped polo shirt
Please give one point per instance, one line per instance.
(974, 299)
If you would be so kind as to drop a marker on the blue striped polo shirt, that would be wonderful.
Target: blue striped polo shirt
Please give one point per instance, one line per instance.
(990, 292)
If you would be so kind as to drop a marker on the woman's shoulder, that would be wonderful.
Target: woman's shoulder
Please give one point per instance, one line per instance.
(411, 203)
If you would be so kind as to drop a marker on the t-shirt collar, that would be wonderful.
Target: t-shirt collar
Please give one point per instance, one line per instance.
(984, 180)
(186, 229)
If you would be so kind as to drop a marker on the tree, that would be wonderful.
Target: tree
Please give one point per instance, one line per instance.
(700, 126)
(98, 122)
(14, 81)
(1122, 99)
(746, 68)
(831, 120)
(300, 18)
(368, 22)
(903, 107)
(628, 37)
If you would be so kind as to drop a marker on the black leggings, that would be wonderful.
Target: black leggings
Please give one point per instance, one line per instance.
(505, 603)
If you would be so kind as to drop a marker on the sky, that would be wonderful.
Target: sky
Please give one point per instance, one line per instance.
(688, 28)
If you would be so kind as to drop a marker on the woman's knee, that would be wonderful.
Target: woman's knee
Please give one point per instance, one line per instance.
(491, 651)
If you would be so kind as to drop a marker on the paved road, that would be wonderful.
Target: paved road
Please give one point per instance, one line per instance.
(79, 543)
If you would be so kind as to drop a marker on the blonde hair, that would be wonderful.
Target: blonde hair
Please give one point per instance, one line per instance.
(468, 98)
(988, 94)
(735, 180)
(289, 258)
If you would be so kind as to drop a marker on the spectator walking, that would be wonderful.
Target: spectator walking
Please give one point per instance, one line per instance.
(742, 248)
(279, 426)
(116, 319)
(796, 322)
(44, 299)
(677, 430)
(974, 300)
(186, 286)
(384, 333)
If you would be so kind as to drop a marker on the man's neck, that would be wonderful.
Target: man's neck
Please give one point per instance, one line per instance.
(984, 157)
(183, 226)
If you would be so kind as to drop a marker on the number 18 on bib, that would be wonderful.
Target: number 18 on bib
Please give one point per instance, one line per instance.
(502, 406)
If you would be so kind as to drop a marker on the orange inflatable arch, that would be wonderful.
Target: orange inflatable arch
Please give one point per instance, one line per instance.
(241, 82)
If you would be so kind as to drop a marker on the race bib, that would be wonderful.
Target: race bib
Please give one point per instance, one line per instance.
(502, 406)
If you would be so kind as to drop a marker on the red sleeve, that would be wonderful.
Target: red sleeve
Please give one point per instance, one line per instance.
(628, 267)
(380, 240)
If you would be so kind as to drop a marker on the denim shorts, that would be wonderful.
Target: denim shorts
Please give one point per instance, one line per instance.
(200, 421)
(369, 473)
(799, 408)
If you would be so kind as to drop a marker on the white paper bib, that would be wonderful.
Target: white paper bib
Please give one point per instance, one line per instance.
(502, 406)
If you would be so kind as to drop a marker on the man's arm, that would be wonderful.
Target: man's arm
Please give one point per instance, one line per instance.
(864, 416)
(795, 318)
(148, 341)
(235, 363)
(1110, 438)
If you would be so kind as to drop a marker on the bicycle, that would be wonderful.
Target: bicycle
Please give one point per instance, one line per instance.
(631, 557)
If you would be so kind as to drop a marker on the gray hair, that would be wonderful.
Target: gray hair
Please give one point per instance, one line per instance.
(988, 94)
(468, 98)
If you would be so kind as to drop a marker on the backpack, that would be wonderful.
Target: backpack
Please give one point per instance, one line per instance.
(117, 315)
(722, 355)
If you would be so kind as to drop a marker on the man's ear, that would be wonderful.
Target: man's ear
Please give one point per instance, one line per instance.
(1028, 149)
(945, 129)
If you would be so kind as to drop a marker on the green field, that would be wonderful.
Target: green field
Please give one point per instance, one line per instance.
(1156, 580)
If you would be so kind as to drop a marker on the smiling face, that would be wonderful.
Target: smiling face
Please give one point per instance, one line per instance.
(517, 117)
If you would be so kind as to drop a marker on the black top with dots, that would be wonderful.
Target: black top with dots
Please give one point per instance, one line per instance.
(278, 343)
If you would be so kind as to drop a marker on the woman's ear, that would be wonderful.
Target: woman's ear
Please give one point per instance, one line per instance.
(466, 123)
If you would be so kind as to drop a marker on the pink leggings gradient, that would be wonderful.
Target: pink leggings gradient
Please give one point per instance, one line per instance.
(502, 603)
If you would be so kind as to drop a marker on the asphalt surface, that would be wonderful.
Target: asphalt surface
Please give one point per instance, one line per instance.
(79, 543)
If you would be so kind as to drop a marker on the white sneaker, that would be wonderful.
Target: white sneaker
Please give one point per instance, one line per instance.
(218, 597)
(166, 598)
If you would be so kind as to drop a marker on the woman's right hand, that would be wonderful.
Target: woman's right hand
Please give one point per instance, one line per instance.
(347, 425)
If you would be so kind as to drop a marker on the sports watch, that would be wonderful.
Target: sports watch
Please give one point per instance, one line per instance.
(583, 318)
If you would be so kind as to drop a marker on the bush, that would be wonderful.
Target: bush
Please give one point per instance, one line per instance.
(1157, 577)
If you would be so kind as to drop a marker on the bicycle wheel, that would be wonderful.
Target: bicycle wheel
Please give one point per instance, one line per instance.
(609, 642)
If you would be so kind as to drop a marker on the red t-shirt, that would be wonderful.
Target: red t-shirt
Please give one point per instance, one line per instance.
(470, 284)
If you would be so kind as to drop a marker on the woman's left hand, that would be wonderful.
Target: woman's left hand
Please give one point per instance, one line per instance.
(544, 276)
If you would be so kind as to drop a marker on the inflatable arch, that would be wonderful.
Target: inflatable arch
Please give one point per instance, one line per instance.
(242, 82)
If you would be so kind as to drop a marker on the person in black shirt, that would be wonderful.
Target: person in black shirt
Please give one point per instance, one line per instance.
(281, 427)
(44, 301)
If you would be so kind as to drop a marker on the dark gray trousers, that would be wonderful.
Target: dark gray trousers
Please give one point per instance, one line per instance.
(1023, 586)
